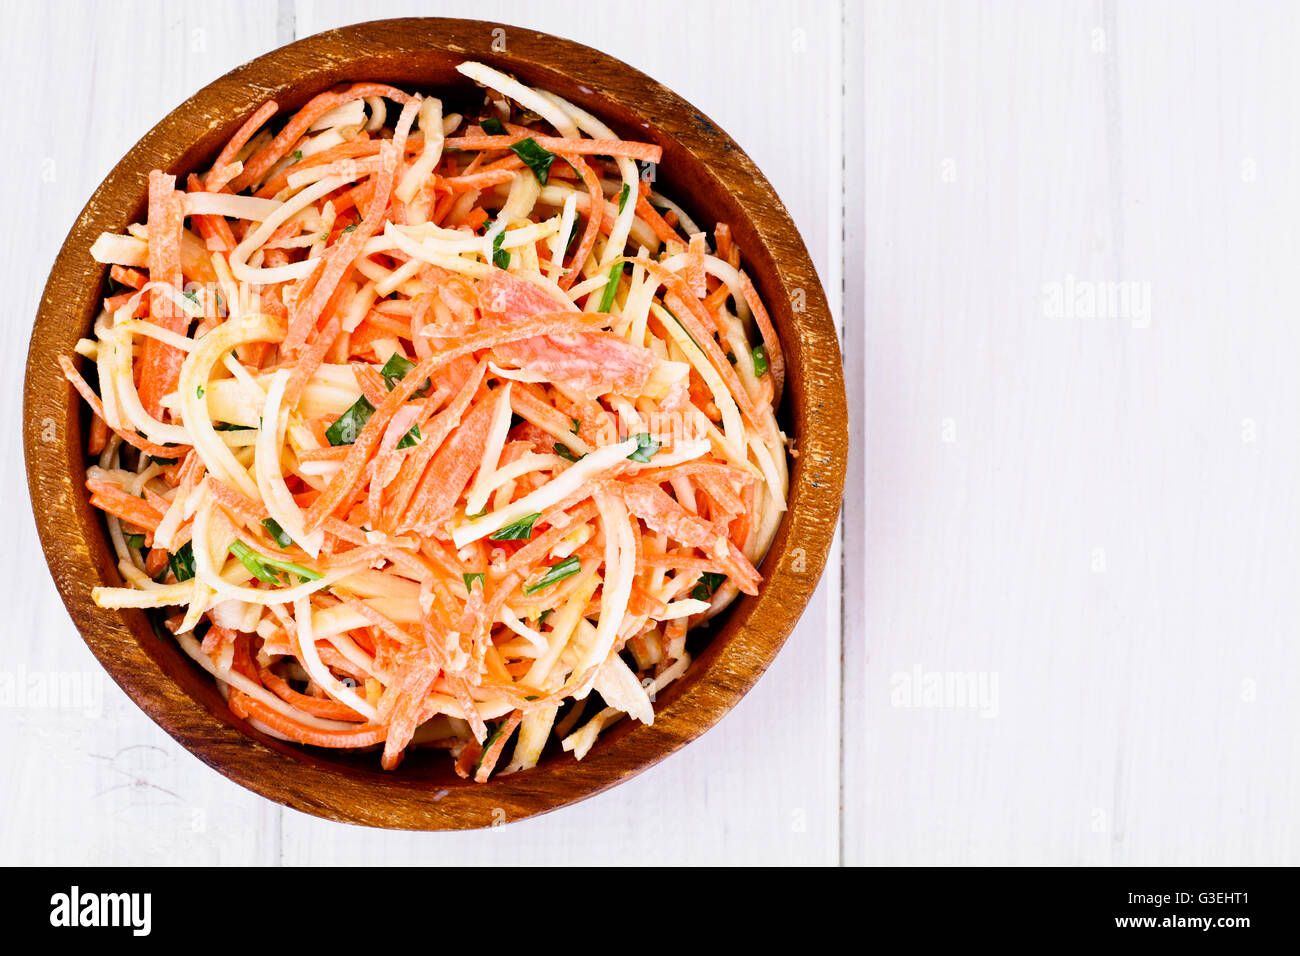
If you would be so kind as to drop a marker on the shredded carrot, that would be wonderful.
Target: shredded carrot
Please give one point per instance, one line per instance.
(647, 152)
(431, 472)
(160, 363)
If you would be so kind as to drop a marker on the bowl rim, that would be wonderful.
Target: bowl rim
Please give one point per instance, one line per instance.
(72, 537)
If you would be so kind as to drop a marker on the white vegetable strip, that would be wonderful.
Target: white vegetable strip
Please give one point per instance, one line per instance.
(298, 270)
(551, 493)
(420, 171)
(270, 479)
(310, 658)
(496, 439)
(616, 590)
(216, 456)
(224, 204)
(523, 95)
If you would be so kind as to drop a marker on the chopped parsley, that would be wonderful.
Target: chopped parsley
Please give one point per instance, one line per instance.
(709, 582)
(277, 533)
(500, 257)
(611, 287)
(348, 426)
(521, 530)
(535, 158)
(555, 573)
(182, 562)
(271, 570)
(397, 368)
(645, 447)
(411, 438)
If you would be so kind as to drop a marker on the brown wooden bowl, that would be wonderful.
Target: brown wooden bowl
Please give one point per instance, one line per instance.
(702, 168)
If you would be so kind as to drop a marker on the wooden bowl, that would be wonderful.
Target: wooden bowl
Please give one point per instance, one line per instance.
(702, 168)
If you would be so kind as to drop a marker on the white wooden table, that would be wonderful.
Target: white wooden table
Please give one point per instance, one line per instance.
(1060, 242)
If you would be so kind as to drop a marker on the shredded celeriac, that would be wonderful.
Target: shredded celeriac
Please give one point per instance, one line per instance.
(420, 427)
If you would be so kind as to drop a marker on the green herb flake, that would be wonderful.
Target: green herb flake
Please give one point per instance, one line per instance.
(490, 742)
(645, 447)
(759, 355)
(267, 569)
(521, 530)
(564, 453)
(535, 158)
(577, 424)
(182, 562)
(611, 287)
(277, 533)
(411, 438)
(556, 573)
(471, 578)
(135, 541)
(493, 126)
(622, 196)
(348, 426)
(709, 582)
(297, 156)
(500, 257)
(397, 368)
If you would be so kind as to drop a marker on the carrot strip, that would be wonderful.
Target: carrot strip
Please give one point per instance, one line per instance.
(646, 152)
(160, 364)
(595, 216)
(270, 154)
(130, 437)
(775, 356)
(244, 134)
(365, 735)
(665, 232)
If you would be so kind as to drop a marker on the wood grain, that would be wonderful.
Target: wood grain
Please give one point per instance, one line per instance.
(702, 165)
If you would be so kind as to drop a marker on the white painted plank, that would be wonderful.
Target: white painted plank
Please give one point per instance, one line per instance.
(95, 782)
(1099, 514)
